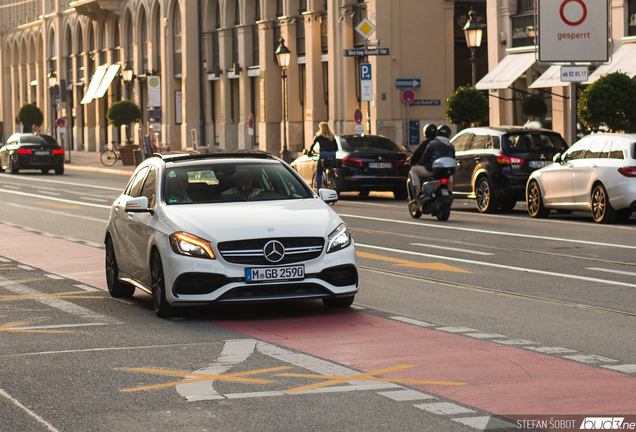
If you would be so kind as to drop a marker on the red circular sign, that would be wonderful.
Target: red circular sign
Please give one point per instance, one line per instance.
(408, 96)
(357, 116)
(60, 122)
(250, 121)
(573, 23)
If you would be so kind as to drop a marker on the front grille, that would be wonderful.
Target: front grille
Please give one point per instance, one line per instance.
(297, 249)
(274, 292)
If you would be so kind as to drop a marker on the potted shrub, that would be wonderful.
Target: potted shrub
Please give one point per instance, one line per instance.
(30, 115)
(467, 105)
(609, 102)
(123, 113)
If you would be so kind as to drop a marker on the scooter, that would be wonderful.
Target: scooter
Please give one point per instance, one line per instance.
(436, 197)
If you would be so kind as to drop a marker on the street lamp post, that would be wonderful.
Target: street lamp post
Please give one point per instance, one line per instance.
(473, 34)
(128, 74)
(283, 55)
(52, 81)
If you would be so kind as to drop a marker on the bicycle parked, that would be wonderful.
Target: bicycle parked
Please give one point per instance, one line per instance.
(110, 157)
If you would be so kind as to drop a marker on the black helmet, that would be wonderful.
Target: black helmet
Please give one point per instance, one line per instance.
(429, 130)
(444, 130)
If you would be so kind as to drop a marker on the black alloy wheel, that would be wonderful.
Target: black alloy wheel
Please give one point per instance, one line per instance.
(162, 308)
(414, 209)
(486, 201)
(59, 170)
(338, 302)
(12, 166)
(602, 210)
(116, 288)
(536, 209)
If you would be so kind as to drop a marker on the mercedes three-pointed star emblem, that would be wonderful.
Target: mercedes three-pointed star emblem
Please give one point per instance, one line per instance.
(274, 251)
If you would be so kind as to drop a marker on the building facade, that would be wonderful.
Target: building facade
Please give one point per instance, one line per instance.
(205, 72)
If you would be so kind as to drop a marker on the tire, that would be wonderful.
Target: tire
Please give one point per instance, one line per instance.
(14, 169)
(338, 302)
(45, 171)
(444, 213)
(602, 210)
(400, 194)
(162, 308)
(486, 201)
(59, 171)
(623, 215)
(507, 205)
(108, 157)
(116, 288)
(536, 209)
(364, 193)
(564, 211)
(414, 210)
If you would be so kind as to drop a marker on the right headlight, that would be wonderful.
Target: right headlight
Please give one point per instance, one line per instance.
(339, 238)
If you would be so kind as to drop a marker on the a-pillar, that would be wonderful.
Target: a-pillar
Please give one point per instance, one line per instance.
(315, 106)
(294, 108)
(271, 102)
(245, 91)
(191, 75)
(228, 129)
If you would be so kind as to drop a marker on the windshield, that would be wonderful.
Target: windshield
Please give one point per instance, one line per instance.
(534, 142)
(232, 181)
(368, 144)
(32, 139)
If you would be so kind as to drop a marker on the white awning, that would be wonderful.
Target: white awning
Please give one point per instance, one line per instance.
(111, 73)
(623, 60)
(95, 81)
(506, 72)
(550, 78)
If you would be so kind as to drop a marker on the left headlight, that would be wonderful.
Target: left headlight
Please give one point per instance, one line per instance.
(184, 243)
(339, 238)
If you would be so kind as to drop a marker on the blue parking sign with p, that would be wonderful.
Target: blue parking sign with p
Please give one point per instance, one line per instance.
(365, 71)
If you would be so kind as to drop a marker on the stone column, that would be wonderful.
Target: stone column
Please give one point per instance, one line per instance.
(191, 74)
(228, 131)
(244, 96)
(89, 109)
(315, 107)
(271, 103)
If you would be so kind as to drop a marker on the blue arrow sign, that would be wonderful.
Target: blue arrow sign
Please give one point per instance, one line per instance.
(403, 83)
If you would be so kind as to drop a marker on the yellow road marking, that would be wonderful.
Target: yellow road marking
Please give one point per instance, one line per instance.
(237, 377)
(405, 263)
(11, 328)
(59, 205)
(367, 376)
(7, 267)
(72, 294)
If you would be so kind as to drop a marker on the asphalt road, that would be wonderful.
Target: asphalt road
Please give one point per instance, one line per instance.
(455, 322)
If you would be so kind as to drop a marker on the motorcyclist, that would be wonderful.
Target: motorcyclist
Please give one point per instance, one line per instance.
(436, 148)
(417, 169)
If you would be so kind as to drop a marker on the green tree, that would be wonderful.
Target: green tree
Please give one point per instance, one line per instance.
(30, 115)
(467, 105)
(534, 106)
(123, 113)
(609, 102)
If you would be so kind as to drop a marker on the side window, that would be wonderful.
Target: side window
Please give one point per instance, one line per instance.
(149, 189)
(136, 185)
(479, 142)
(461, 142)
(616, 151)
(595, 149)
(493, 142)
(574, 152)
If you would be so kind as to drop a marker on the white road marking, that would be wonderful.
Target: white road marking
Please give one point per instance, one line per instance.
(56, 199)
(485, 335)
(52, 276)
(252, 395)
(4, 260)
(485, 423)
(513, 342)
(612, 271)
(452, 249)
(25, 267)
(551, 350)
(488, 264)
(87, 288)
(590, 359)
(48, 425)
(444, 408)
(356, 307)
(61, 213)
(501, 233)
(456, 329)
(412, 321)
(43, 180)
(626, 368)
(94, 199)
(49, 192)
(61, 326)
(406, 395)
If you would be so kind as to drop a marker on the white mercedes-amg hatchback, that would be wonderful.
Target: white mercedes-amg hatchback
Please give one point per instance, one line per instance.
(227, 227)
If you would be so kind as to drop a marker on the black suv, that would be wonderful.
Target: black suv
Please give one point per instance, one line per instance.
(494, 163)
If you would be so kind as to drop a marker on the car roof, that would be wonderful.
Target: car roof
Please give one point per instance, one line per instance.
(47, 138)
(627, 138)
(506, 129)
(202, 154)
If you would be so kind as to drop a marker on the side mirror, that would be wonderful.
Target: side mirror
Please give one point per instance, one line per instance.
(557, 158)
(329, 196)
(137, 205)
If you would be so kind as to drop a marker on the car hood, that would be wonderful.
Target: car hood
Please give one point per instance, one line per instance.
(246, 220)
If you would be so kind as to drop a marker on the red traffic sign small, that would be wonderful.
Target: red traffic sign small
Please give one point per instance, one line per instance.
(60, 122)
(408, 96)
(357, 116)
(250, 121)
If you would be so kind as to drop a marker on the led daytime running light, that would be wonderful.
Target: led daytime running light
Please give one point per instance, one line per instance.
(193, 240)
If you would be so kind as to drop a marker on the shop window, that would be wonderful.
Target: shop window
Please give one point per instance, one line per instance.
(144, 42)
(255, 35)
(176, 41)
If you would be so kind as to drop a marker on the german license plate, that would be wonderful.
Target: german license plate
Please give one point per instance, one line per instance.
(380, 165)
(444, 191)
(539, 164)
(42, 153)
(270, 274)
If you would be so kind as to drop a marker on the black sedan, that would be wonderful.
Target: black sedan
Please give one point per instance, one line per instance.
(364, 163)
(31, 151)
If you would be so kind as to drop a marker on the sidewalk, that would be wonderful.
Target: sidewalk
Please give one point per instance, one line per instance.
(89, 161)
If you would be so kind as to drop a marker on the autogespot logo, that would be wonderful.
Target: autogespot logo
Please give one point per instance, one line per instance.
(274, 251)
